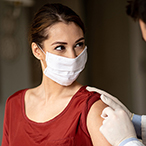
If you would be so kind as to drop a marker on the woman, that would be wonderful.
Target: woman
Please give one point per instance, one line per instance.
(60, 111)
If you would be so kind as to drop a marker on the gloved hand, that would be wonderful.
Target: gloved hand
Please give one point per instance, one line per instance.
(117, 126)
(110, 100)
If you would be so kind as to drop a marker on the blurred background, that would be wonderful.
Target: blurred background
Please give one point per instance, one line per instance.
(116, 52)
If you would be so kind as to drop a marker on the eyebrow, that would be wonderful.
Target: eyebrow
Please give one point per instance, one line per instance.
(65, 43)
(80, 39)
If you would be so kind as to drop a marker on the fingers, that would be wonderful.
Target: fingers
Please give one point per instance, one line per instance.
(107, 112)
(94, 90)
(104, 93)
(109, 102)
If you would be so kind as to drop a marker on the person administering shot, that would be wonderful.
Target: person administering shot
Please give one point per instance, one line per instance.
(121, 127)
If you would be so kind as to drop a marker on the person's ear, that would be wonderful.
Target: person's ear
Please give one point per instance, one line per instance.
(37, 52)
(143, 29)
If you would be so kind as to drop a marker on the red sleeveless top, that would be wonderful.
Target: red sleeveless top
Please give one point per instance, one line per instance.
(67, 129)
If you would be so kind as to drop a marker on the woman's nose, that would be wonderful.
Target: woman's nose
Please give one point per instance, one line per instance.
(73, 54)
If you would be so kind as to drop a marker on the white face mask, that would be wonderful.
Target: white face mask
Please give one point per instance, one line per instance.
(64, 70)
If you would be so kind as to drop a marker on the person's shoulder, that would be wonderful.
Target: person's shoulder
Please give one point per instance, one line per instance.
(98, 106)
(94, 115)
(88, 97)
(85, 90)
(16, 96)
(99, 91)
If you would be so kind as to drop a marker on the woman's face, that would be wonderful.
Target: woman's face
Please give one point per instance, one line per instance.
(66, 40)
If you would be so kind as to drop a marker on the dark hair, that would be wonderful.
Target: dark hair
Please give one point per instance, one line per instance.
(137, 9)
(48, 15)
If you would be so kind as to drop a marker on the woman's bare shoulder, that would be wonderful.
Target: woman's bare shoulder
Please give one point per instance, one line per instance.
(94, 121)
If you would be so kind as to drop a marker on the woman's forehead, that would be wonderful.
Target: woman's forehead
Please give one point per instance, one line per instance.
(64, 31)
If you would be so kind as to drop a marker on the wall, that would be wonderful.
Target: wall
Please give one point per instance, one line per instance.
(138, 69)
(14, 62)
(116, 53)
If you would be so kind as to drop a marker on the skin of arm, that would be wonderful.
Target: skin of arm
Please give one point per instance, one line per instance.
(94, 122)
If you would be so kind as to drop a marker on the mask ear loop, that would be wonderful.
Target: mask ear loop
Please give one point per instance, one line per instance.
(41, 49)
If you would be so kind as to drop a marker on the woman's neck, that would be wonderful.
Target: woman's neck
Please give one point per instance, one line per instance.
(52, 90)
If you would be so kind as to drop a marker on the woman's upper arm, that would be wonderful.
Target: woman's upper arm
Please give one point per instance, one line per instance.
(94, 121)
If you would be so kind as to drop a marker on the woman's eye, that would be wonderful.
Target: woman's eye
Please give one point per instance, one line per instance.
(80, 44)
(60, 48)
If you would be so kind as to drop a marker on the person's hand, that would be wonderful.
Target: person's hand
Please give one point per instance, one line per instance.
(117, 126)
(110, 100)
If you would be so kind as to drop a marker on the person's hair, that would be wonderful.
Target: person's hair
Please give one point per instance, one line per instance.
(137, 9)
(48, 15)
